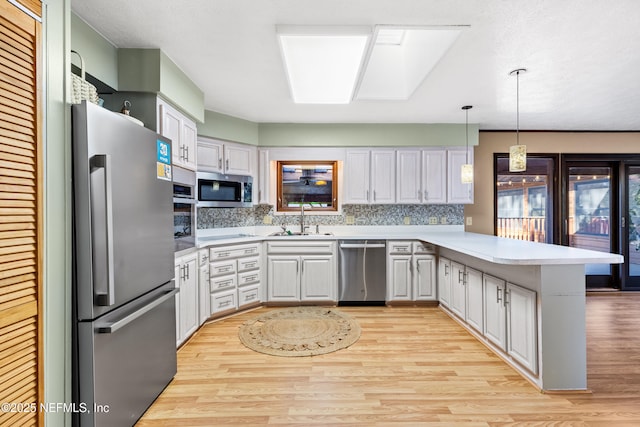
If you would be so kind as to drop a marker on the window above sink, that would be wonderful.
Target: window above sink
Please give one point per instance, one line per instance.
(313, 184)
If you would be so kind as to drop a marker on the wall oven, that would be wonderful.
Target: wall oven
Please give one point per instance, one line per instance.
(184, 208)
(217, 190)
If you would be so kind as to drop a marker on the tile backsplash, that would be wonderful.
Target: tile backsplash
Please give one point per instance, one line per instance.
(362, 215)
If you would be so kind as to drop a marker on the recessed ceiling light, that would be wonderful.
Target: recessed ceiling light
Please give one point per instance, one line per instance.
(401, 57)
(322, 63)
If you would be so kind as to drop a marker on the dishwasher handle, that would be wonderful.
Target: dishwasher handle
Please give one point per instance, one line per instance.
(362, 245)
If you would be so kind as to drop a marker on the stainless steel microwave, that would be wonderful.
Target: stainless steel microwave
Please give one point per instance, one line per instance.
(216, 190)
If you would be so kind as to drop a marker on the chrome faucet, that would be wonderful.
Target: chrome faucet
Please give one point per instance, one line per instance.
(302, 226)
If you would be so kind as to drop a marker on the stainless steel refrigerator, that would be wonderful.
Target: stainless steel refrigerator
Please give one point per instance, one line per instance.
(124, 330)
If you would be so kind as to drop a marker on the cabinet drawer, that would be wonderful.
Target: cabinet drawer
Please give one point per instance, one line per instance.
(299, 248)
(399, 247)
(223, 282)
(423, 248)
(246, 250)
(248, 295)
(222, 268)
(223, 301)
(248, 277)
(221, 253)
(245, 264)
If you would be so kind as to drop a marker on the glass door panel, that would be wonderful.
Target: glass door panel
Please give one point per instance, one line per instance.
(589, 212)
(524, 200)
(632, 256)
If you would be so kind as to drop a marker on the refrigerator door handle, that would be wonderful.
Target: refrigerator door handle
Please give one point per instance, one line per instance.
(114, 326)
(362, 245)
(103, 161)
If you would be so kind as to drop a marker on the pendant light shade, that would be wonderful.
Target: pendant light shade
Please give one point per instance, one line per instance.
(518, 153)
(466, 172)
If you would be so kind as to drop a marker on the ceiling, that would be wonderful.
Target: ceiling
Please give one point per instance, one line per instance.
(582, 57)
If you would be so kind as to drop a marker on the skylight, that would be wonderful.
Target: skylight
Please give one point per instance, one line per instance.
(401, 58)
(324, 65)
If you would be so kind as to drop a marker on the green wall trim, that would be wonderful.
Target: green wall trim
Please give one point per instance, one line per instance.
(150, 70)
(365, 135)
(218, 125)
(100, 56)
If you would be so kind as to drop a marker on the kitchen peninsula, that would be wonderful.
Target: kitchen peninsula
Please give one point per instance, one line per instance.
(524, 300)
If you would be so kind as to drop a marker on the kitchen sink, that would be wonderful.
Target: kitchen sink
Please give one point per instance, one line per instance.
(297, 233)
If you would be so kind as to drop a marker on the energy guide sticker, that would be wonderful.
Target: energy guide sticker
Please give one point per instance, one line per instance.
(163, 160)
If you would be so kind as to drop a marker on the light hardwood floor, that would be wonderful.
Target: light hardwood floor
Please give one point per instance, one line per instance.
(411, 367)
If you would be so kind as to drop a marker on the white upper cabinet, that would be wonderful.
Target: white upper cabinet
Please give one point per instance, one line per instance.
(383, 176)
(181, 131)
(409, 176)
(434, 173)
(408, 189)
(210, 156)
(264, 173)
(356, 177)
(457, 192)
(370, 176)
(225, 157)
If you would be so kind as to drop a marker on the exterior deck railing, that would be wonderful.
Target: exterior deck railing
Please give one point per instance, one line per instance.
(523, 228)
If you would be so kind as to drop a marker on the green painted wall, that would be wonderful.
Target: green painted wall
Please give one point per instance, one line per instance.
(365, 135)
(217, 125)
(57, 211)
(100, 56)
(150, 70)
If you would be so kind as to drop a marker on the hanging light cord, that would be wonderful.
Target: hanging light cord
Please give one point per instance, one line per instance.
(466, 109)
(518, 107)
(466, 126)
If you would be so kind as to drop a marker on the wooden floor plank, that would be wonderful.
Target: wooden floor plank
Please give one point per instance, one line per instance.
(412, 366)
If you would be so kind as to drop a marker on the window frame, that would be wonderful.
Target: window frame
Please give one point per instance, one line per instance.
(334, 184)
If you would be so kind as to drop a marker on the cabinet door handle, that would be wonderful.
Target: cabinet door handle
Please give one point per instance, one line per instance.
(186, 268)
(374, 195)
(506, 300)
(498, 295)
(367, 195)
(186, 150)
(460, 277)
(227, 165)
(446, 269)
(219, 162)
(426, 195)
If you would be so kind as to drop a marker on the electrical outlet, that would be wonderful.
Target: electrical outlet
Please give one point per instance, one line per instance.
(433, 220)
(443, 220)
(407, 220)
(350, 220)
(267, 219)
(469, 220)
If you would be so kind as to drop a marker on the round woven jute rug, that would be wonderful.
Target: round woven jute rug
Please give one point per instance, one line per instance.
(299, 331)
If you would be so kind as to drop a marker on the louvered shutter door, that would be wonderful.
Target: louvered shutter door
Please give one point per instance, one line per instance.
(20, 213)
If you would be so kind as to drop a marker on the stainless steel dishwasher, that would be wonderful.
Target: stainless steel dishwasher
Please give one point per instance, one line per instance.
(363, 272)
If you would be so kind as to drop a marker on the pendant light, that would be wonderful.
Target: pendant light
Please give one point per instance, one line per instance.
(466, 172)
(518, 153)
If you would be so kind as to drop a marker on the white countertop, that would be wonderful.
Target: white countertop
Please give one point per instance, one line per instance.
(494, 249)
(501, 250)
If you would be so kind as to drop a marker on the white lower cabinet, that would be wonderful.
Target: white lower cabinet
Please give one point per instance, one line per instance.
(301, 271)
(444, 281)
(458, 299)
(234, 277)
(204, 309)
(474, 314)
(503, 313)
(510, 320)
(522, 331)
(495, 317)
(186, 278)
(411, 271)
